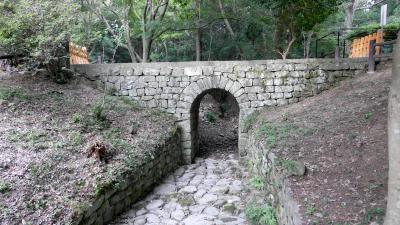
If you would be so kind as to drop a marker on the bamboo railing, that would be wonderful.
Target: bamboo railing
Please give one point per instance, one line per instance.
(360, 46)
(78, 54)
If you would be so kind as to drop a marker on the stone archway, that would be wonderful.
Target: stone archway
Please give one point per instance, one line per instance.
(188, 116)
(208, 133)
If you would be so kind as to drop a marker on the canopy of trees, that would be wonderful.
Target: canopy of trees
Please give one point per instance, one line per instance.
(183, 30)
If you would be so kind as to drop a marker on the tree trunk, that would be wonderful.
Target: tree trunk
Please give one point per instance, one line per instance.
(146, 48)
(307, 44)
(198, 31)
(129, 45)
(229, 27)
(393, 205)
(350, 9)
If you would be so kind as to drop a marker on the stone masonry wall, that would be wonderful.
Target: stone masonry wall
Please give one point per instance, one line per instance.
(174, 87)
(113, 202)
(278, 191)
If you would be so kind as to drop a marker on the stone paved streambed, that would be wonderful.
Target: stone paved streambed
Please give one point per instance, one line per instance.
(210, 191)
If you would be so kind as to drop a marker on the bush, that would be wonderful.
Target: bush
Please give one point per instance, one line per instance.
(4, 187)
(391, 30)
(261, 215)
(257, 183)
(98, 113)
(211, 117)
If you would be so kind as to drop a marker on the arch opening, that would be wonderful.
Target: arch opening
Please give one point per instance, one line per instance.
(214, 122)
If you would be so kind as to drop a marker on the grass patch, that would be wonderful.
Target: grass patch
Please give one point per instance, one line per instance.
(311, 210)
(33, 138)
(250, 120)
(38, 170)
(288, 164)
(261, 215)
(276, 133)
(257, 183)
(76, 138)
(368, 116)
(4, 187)
(16, 93)
(374, 215)
(77, 118)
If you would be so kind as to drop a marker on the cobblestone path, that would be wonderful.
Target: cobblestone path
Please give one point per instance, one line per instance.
(210, 191)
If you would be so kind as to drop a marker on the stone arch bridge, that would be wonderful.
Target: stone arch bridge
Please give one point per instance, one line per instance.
(178, 87)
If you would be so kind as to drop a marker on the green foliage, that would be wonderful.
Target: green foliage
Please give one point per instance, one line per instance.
(311, 210)
(9, 94)
(77, 118)
(35, 28)
(391, 30)
(277, 133)
(99, 113)
(250, 120)
(38, 170)
(211, 117)
(288, 164)
(368, 116)
(76, 138)
(261, 215)
(257, 182)
(4, 187)
(374, 214)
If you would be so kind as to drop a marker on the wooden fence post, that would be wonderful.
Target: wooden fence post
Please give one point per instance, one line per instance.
(371, 56)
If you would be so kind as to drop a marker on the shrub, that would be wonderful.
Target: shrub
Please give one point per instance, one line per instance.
(77, 118)
(257, 183)
(261, 215)
(98, 113)
(76, 138)
(211, 117)
(4, 187)
(8, 94)
(250, 120)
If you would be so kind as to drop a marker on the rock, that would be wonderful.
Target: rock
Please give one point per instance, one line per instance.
(165, 189)
(211, 211)
(208, 198)
(219, 203)
(188, 189)
(197, 220)
(154, 204)
(141, 212)
(200, 193)
(196, 209)
(235, 189)
(178, 215)
(152, 218)
(140, 220)
(229, 207)
(3, 102)
(219, 189)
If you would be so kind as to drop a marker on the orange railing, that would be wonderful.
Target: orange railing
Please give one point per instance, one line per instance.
(360, 46)
(78, 54)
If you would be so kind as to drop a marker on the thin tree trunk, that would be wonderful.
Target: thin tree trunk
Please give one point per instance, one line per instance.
(229, 27)
(131, 48)
(307, 44)
(226, 21)
(198, 31)
(350, 9)
(393, 205)
(146, 48)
